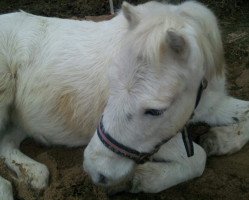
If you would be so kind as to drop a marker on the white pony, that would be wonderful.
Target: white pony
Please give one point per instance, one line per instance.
(141, 71)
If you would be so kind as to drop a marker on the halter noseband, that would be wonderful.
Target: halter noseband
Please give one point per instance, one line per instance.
(142, 157)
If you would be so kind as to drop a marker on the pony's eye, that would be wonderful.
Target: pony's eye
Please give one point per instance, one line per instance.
(154, 112)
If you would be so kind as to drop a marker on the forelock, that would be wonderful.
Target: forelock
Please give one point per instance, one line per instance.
(148, 40)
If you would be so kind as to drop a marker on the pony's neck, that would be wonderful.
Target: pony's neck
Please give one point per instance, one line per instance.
(108, 46)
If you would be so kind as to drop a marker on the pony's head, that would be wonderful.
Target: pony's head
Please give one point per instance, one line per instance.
(153, 86)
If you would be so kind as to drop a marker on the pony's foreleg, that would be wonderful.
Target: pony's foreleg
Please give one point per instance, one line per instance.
(217, 109)
(5, 190)
(170, 166)
(27, 170)
(230, 120)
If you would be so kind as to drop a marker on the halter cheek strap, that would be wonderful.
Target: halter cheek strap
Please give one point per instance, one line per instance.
(186, 136)
(142, 157)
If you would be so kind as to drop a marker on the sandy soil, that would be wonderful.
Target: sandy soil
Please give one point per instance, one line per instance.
(225, 177)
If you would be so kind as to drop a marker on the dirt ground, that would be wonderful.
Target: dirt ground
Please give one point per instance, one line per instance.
(225, 177)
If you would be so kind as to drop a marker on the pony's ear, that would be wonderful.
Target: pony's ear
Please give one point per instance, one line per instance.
(176, 42)
(130, 14)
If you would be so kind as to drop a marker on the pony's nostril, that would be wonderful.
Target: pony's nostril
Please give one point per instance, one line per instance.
(102, 179)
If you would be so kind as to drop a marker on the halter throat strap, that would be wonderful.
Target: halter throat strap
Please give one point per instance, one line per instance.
(142, 157)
